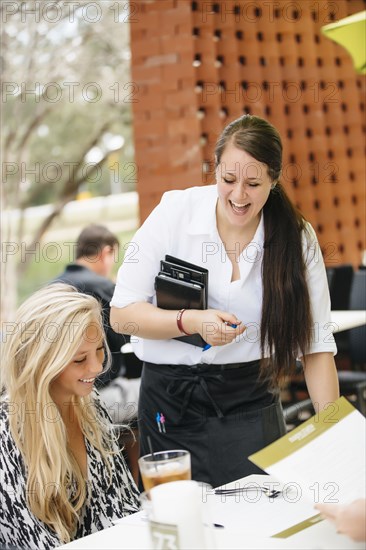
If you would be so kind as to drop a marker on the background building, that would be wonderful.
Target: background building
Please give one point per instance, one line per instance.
(197, 65)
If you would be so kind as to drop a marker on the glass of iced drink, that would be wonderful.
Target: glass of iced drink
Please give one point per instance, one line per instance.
(163, 467)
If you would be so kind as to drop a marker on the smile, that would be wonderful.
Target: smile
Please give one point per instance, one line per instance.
(239, 208)
(86, 380)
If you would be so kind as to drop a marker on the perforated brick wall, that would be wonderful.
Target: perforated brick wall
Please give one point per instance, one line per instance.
(199, 65)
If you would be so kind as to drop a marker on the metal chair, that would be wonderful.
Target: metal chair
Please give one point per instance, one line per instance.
(352, 383)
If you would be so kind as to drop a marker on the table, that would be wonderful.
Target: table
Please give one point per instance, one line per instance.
(345, 320)
(249, 522)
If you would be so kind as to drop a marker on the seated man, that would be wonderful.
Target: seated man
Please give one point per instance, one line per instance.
(96, 250)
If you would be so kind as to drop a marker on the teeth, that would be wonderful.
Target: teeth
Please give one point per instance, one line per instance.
(239, 205)
(86, 379)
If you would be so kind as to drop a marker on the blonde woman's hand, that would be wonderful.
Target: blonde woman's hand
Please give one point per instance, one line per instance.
(213, 325)
(349, 520)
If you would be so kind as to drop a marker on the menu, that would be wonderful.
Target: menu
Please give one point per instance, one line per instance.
(324, 456)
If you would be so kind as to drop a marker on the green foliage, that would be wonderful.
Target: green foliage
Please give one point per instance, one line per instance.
(65, 90)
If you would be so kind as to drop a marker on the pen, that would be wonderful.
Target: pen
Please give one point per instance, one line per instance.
(208, 346)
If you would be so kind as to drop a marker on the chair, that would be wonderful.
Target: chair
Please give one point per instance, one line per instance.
(357, 336)
(131, 449)
(130, 438)
(352, 384)
(340, 280)
(132, 363)
(340, 283)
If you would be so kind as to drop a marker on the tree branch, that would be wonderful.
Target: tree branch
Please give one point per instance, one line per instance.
(68, 193)
(70, 184)
(32, 126)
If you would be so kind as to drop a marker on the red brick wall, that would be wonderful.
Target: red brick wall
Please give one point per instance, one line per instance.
(199, 65)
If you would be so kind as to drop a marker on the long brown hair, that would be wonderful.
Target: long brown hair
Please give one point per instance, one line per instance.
(286, 320)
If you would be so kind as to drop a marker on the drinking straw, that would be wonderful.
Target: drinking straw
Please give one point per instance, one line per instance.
(151, 451)
(150, 447)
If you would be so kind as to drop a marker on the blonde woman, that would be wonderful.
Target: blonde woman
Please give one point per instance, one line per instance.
(62, 476)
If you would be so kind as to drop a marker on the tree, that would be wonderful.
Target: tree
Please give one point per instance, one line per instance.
(65, 89)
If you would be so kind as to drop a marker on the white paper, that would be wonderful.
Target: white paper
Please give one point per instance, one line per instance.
(331, 468)
(325, 456)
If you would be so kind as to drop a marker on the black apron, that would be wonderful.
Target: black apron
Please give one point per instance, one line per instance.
(220, 413)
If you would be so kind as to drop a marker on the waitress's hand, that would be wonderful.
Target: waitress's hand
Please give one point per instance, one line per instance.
(213, 325)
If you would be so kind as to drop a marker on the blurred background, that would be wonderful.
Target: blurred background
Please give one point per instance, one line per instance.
(67, 148)
(106, 105)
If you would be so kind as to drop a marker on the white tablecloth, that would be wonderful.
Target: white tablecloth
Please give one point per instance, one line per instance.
(249, 521)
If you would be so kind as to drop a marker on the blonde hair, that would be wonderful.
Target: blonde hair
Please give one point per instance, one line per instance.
(49, 328)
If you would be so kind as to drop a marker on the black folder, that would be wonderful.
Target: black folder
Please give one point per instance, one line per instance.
(181, 285)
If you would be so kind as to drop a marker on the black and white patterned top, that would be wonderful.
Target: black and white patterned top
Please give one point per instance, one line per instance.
(21, 529)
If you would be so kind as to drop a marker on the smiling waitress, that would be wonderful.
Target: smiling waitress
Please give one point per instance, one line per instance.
(266, 275)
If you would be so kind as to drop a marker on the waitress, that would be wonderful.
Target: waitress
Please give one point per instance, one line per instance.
(266, 278)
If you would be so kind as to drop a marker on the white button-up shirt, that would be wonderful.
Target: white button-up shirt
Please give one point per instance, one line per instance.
(184, 225)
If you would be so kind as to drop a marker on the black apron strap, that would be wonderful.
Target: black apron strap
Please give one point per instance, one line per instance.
(186, 383)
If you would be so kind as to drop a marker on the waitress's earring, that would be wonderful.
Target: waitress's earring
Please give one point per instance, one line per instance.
(273, 186)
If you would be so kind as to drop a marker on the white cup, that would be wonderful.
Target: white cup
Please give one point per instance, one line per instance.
(179, 516)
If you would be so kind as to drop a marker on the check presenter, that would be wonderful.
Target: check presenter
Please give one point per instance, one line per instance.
(62, 474)
(266, 276)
